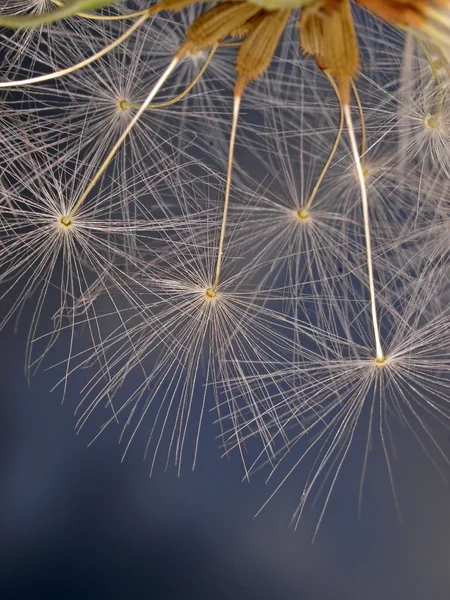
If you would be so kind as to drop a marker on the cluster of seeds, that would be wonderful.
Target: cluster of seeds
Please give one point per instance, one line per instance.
(244, 208)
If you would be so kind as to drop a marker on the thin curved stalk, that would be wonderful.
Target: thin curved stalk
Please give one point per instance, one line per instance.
(83, 63)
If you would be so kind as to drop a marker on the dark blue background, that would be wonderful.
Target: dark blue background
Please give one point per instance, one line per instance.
(78, 523)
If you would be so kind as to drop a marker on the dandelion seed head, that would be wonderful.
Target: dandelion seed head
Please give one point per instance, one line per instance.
(367, 171)
(302, 215)
(371, 170)
(382, 361)
(432, 121)
(123, 105)
(65, 222)
(210, 293)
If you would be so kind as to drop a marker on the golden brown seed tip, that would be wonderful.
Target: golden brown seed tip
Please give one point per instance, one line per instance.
(329, 36)
(259, 46)
(246, 27)
(218, 22)
(239, 86)
(310, 29)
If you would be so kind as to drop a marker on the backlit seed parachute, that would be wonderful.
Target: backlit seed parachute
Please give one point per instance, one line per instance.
(182, 338)
(327, 403)
(37, 48)
(45, 244)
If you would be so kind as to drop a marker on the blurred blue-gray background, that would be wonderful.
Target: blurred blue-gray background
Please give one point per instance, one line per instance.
(76, 522)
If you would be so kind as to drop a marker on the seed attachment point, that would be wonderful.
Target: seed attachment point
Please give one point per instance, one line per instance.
(432, 122)
(381, 361)
(303, 214)
(123, 104)
(65, 221)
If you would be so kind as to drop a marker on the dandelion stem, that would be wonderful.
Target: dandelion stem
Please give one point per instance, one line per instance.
(132, 123)
(236, 107)
(83, 63)
(62, 11)
(95, 17)
(366, 219)
(186, 90)
(315, 189)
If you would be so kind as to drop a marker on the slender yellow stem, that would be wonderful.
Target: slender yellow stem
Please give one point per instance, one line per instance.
(37, 19)
(186, 90)
(326, 166)
(366, 218)
(236, 107)
(67, 219)
(83, 63)
(94, 17)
